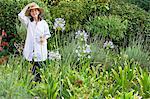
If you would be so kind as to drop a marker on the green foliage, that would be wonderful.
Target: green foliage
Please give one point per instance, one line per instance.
(112, 26)
(137, 53)
(107, 75)
(48, 88)
(14, 79)
(9, 13)
(76, 12)
(62, 80)
(145, 4)
(124, 77)
(73, 12)
(144, 82)
(21, 30)
(138, 19)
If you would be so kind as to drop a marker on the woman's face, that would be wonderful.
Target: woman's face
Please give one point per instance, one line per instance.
(34, 13)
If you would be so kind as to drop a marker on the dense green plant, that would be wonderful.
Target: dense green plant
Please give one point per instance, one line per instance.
(138, 19)
(21, 31)
(14, 79)
(124, 77)
(108, 26)
(9, 11)
(125, 95)
(137, 53)
(145, 4)
(76, 12)
(144, 82)
(62, 80)
(48, 88)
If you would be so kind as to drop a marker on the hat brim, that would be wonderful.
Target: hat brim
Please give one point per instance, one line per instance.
(27, 13)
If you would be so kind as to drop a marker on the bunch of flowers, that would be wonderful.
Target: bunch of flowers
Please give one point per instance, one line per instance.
(3, 44)
(59, 24)
(81, 35)
(83, 50)
(108, 45)
(54, 55)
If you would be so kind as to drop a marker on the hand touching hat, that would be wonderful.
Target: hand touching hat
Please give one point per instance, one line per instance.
(33, 5)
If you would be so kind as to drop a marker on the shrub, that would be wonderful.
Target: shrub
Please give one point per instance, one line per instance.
(144, 4)
(9, 12)
(112, 26)
(138, 19)
(137, 53)
(76, 12)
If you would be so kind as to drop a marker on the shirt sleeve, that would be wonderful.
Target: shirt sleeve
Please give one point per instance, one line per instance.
(46, 31)
(24, 19)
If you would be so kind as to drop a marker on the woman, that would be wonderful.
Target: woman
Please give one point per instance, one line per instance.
(35, 49)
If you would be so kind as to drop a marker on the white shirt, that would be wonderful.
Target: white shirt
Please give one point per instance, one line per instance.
(33, 49)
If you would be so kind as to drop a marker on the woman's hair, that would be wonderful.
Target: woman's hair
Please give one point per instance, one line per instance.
(39, 17)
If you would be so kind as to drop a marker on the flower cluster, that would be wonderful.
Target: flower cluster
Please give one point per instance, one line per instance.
(3, 43)
(59, 24)
(81, 35)
(83, 50)
(108, 44)
(54, 55)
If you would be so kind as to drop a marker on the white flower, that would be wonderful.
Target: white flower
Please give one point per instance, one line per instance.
(136, 96)
(88, 50)
(89, 56)
(82, 35)
(59, 23)
(54, 55)
(83, 49)
(76, 51)
(108, 44)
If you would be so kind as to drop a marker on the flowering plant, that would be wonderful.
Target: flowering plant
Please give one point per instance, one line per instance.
(108, 45)
(59, 26)
(54, 55)
(3, 44)
(83, 50)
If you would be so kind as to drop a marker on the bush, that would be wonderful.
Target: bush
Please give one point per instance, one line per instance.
(136, 52)
(138, 19)
(144, 4)
(9, 14)
(112, 26)
(76, 12)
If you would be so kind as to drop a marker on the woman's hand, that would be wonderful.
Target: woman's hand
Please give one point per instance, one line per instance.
(42, 40)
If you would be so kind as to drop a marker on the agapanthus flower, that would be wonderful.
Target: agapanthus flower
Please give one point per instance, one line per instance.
(83, 51)
(108, 44)
(54, 55)
(59, 24)
(82, 35)
(87, 49)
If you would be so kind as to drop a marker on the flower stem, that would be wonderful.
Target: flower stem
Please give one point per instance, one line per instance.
(56, 40)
